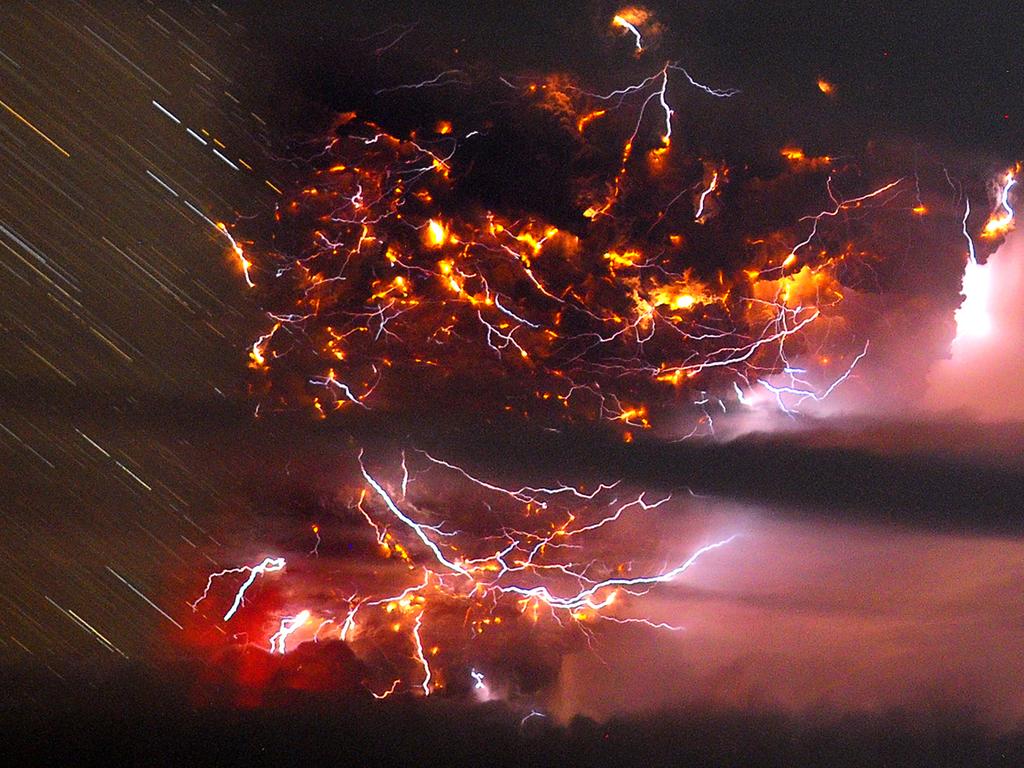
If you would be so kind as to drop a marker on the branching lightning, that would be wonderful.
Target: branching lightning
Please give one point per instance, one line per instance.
(269, 565)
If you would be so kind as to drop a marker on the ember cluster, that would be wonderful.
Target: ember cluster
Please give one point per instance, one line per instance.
(680, 282)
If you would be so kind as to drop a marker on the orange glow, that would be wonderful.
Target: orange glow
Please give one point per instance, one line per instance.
(586, 119)
(435, 234)
(237, 248)
(673, 298)
(636, 415)
(1002, 219)
(799, 159)
(630, 20)
(257, 353)
(997, 225)
(613, 285)
(826, 87)
(805, 287)
(624, 259)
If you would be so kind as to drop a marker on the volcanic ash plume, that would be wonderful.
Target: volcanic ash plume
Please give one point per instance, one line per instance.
(539, 248)
(543, 249)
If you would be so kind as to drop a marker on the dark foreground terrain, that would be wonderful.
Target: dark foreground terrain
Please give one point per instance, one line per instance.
(141, 721)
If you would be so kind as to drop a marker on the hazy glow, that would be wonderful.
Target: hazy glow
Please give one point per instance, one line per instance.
(984, 372)
(973, 318)
(786, 623)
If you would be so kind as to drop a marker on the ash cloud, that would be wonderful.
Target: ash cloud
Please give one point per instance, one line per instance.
(863, 581)
(876, 569)
(901, 261)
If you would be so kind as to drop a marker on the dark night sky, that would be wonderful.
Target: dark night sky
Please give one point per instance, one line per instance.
(938, 72)
(129, 461)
